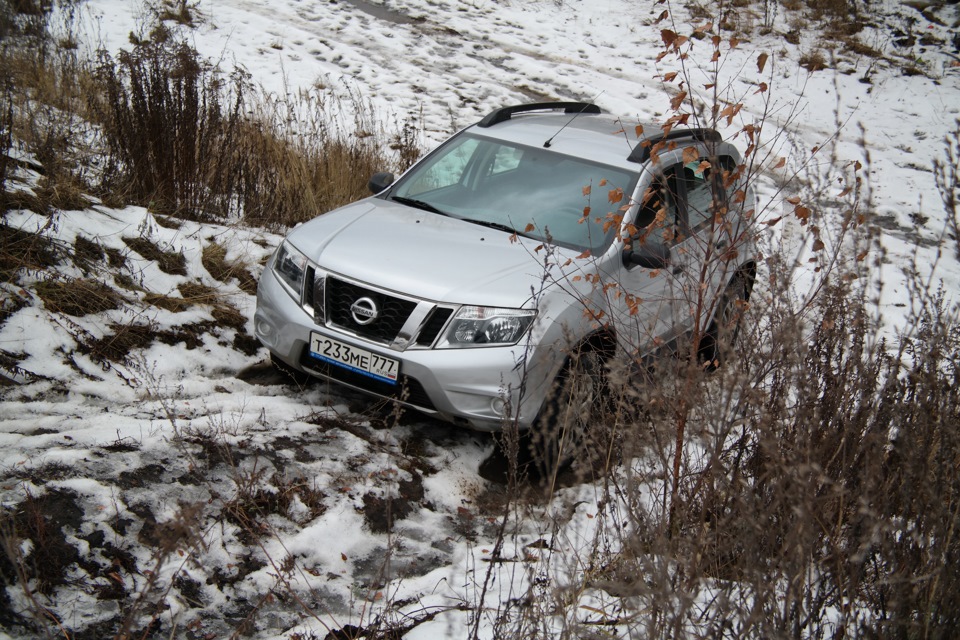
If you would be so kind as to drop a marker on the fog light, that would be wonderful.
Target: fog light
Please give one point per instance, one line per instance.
(498, 406)
(265, 330)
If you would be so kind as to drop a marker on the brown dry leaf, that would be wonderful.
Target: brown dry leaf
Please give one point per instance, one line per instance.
(730, 112)
(677, 100)
(586, 190)
(639, 130)
(615, 195)
(690, 154)
(761, 62)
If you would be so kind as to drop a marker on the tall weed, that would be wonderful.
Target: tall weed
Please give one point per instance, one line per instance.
(170, 121)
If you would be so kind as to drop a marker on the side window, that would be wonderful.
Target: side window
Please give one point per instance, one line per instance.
(705, 192)
(658, 216)
(506, 159)
(446, 170)
(697, 182)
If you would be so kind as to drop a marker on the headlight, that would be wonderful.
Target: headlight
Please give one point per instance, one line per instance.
(487, 326)
(290, 266)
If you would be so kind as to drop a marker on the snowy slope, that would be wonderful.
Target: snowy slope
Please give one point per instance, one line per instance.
(159, 465)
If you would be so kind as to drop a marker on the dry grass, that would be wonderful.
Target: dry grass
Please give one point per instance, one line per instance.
(214, 260)
(175, 132)
(813, 61)
(78, 297)
(167, 261)
(23, 250)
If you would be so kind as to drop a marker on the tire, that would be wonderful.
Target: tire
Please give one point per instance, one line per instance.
(721, 337)
(570, 430)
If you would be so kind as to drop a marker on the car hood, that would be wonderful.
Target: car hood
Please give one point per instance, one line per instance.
(422, 254)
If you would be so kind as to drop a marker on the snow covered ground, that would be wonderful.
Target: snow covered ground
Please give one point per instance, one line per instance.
(158, 465)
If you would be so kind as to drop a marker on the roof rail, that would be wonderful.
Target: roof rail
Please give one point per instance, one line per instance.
(505, 113)
(641, 152)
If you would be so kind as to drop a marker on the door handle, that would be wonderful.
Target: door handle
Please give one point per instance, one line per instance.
(677, 270)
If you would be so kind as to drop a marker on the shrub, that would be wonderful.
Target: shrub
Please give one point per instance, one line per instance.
(170, 121)
(181, 142)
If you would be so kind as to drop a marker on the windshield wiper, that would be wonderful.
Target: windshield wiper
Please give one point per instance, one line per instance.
(495, 225)
(419, 204)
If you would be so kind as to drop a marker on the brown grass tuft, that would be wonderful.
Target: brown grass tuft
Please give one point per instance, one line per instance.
(78, 297)
(167, 261)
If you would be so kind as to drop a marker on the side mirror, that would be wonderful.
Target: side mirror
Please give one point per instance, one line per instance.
(654, 256)
(380, 181)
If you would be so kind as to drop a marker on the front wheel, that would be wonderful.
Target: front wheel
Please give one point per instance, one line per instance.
(570, 430)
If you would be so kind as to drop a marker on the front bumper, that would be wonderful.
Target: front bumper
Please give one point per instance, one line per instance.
(476, 387)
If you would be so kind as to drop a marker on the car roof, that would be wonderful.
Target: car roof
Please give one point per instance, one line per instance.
(583, 131)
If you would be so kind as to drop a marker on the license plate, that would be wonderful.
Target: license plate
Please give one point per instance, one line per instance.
(354, 358)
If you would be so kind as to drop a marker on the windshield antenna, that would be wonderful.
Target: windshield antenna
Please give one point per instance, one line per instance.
(546, 145)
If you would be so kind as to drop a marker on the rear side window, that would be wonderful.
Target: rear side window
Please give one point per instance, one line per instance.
(705, 194)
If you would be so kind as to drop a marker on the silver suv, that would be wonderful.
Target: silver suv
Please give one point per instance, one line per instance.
(466, 287)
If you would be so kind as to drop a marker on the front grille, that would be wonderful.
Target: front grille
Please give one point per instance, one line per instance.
(407, 390)
(392, 311)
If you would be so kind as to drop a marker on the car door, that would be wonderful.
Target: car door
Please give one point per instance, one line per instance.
(703, 249)
(644, 301)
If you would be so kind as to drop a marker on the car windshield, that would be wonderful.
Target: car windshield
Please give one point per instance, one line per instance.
(540, 194)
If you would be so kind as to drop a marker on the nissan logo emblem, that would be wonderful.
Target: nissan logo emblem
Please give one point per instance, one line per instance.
(364, 311)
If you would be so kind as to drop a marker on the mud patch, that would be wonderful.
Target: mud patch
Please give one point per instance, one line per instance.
(42, 520)
(381, 514)
(146, 476)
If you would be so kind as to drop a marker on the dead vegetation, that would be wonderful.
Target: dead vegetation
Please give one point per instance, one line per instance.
(818, 494)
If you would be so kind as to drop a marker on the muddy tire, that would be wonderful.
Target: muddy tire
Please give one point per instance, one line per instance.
(570, 432)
